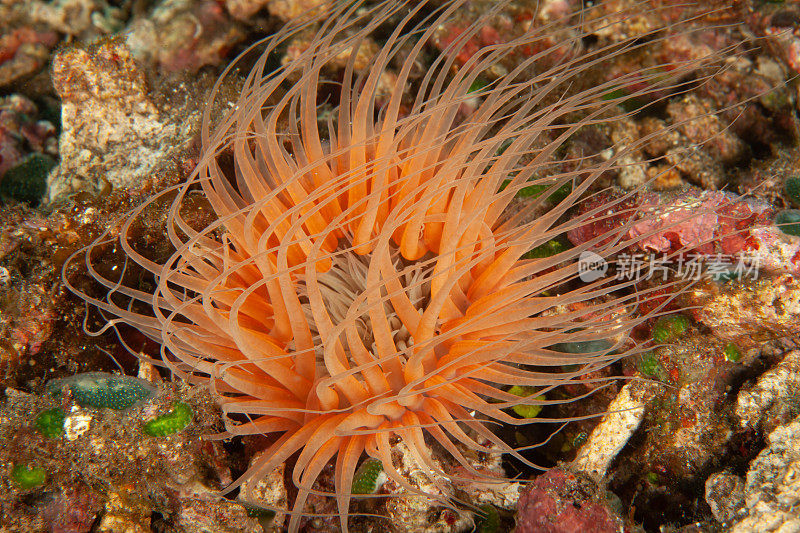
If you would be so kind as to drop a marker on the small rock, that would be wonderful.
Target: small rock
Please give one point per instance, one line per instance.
(623, 417)
(725, 495)
(423, 512)
(21, 133)
(113, 134)
(23, 52)
(267, 492)
(244, 9)
(290, 9)
(126, 511)
(749, 313)
(775, 398)
(72, 510)
(206, 511)
(772, 486)
(27, 181)
(83, 19)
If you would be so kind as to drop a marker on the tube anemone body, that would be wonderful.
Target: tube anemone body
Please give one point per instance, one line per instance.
(365, 279)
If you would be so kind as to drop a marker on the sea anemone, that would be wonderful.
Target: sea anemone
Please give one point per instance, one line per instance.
(367, 281)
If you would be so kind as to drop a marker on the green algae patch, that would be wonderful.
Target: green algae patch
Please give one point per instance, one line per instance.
(788, 221)
(649, 366)
(732, 353)
(27, 181)
(523, 410)
(489, 521)
(548, 249)
(100, 390)
(50, 423)
(369, 477)
(536, 190)
(477, 86)
(255, 511)
(28, 477)
(172, 422)
(792, 188)
(669, 328)
(584, 347)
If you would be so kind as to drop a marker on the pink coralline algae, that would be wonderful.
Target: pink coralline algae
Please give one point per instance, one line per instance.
(560, 502)
(704, 223)
(23, 52)
(70, 511)
(20, 134)
(559, 42)
(486, 36)
(707, 223)
(781, 29)
(184, 35)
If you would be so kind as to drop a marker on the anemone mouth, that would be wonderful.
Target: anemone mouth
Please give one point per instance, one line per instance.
(344, 287)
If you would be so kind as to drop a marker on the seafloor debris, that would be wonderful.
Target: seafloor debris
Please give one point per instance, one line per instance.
(105, 462)
(26, 321)
(382, 497)
(700, 222)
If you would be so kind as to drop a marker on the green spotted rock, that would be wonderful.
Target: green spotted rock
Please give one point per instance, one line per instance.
(651, 367)
(732, 353)
(536, 190)
(368, 477)
(548, 249)
(100, 390)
